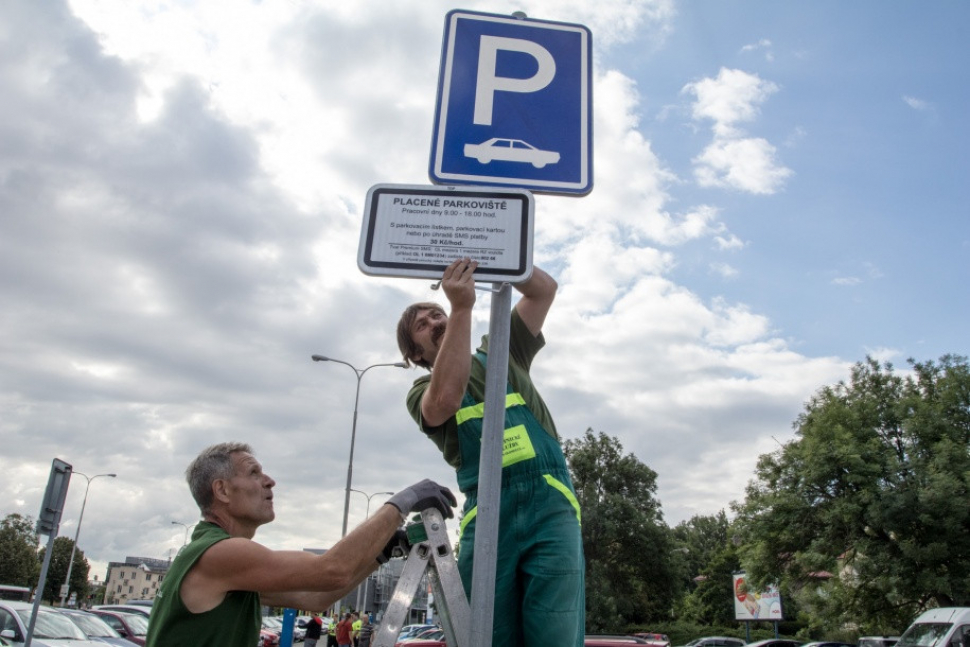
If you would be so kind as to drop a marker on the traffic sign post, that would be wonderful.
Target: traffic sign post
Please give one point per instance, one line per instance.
(514, 114)
(514, 104)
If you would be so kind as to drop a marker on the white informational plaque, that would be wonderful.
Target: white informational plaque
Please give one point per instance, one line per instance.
(417, 231)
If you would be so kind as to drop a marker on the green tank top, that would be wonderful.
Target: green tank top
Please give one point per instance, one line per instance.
(234, 623)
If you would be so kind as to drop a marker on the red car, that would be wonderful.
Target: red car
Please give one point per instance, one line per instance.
(613, 641)
(131, 626)
(268, 638)
(657, 640)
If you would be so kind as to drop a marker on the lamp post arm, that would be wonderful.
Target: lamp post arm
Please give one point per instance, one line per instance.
(359, 373)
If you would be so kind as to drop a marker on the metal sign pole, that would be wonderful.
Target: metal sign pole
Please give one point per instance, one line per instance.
(47, 524)
(490, 468)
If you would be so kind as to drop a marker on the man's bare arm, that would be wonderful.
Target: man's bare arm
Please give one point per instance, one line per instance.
(311, 582)
(452, 364)
(538, 294)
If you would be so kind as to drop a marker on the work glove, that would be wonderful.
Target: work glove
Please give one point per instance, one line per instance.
(397, 546)
(423, 495)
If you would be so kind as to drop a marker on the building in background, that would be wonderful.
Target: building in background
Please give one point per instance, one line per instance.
(136, 578)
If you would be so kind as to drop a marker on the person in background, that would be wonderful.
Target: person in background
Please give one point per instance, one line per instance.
(366, 631)
(314, 629)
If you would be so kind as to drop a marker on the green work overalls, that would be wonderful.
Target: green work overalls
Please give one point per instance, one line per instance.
(539, 581)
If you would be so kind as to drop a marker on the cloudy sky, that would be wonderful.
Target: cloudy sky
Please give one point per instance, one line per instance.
(780, 189)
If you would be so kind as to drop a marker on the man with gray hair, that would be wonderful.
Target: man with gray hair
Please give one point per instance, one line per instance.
(213, 591)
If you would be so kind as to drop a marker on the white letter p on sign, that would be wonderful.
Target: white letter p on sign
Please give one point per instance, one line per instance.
(488, 83)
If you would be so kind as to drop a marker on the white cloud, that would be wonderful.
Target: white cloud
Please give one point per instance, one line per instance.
(846, 280)
(917, 104)
(733, 160)
(747, 164)
(763, 44)
(729, 242)
(733, 97)
(724, 270)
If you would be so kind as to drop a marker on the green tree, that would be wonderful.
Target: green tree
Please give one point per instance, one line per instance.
(699, 540)
(629, 574)
(873, 490)
(57, 570)
(712, 601)
(18, 551)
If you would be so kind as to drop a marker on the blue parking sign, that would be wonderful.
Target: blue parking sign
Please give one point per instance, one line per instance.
(514, 104)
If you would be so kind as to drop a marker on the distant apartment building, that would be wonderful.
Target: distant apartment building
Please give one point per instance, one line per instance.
(136, 578)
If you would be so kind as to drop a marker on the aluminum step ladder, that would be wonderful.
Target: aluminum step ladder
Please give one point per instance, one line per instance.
(431, 553)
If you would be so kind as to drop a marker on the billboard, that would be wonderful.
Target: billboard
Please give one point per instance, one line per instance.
(755, 605)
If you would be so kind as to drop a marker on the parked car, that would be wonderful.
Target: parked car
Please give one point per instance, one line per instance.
(433, 638)
(140, 609)
(96, 628)
(878, 641)
(132, 626)
(275, 624)
(657, 640)
(51, 629)
(268, 638)
(612, 641)
(943, 626)
(434, 634)
(829, 643)
(411, 631)
(776, 642)
(716, 641)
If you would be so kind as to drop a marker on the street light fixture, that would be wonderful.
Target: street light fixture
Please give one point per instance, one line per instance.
(353, 431)
(369, 497)
(187, 528)
(77, 532)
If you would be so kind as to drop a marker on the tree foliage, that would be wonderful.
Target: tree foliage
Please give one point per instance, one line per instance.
(57, 570)
(19, 565)
(874, 491)
(699, 540)
(629, 574)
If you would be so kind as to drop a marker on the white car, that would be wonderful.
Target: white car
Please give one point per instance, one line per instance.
(52, 629)
(510, 150)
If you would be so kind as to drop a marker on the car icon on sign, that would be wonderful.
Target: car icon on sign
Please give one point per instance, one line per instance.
(510, 150)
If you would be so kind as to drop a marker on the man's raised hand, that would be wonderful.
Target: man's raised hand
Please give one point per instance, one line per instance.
(423, 495)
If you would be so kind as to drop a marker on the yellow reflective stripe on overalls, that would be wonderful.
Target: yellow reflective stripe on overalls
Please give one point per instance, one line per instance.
(478, 410)
(550, 480)
(559, 485)
(465, 520)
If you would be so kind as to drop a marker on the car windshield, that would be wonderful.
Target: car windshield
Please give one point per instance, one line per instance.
(137, 623)
(924, 634)
(93, 626)
(51, 624)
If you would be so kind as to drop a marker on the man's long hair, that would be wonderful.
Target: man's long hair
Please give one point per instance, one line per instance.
(410, 349)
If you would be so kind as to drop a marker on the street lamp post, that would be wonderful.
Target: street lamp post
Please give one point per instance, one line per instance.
(187, 527)
(77, 532)
(353, 431)
(366, 515)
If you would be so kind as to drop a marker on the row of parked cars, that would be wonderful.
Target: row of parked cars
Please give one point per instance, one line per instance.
(121, 625)
(943, 627)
